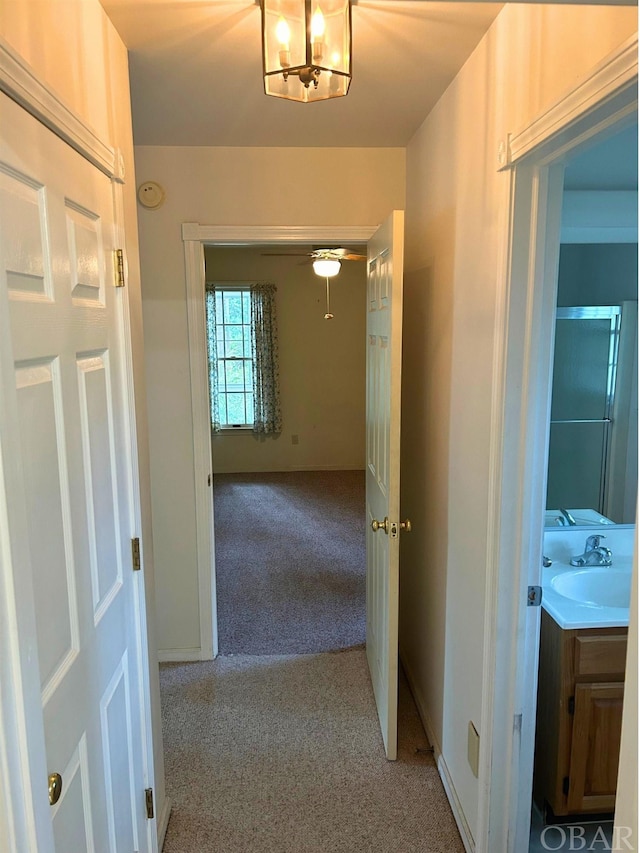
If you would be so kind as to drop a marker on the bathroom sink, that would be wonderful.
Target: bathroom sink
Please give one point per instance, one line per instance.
(596, 587)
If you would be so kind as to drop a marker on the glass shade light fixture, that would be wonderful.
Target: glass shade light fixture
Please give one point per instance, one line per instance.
(306, 48)
(327, 268)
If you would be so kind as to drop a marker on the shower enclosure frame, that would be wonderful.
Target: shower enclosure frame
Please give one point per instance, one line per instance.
(612, 313)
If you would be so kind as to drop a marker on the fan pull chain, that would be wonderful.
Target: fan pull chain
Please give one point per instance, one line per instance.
(328, 315)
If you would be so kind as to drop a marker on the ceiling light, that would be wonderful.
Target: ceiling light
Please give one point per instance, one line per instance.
(306, 49)
(326, 267)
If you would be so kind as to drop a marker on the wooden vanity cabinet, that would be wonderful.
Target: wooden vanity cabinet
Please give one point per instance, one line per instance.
(579, 717)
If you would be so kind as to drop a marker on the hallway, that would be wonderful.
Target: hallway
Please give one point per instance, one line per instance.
(282, 754)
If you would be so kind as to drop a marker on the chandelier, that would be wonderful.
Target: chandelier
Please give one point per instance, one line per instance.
(306, 48)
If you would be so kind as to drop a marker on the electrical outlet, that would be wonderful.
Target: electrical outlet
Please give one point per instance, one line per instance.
(295, 439)
(473, 749)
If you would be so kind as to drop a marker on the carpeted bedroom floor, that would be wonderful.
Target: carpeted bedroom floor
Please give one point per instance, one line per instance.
(290, 561)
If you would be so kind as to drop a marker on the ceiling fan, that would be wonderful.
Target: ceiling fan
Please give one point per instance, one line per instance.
(337, 254)
(326, 263)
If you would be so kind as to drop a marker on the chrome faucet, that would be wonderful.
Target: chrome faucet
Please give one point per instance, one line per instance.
(594, 554)
(565, 519)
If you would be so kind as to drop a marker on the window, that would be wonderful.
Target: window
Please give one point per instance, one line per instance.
(242, 346)
(234, 363)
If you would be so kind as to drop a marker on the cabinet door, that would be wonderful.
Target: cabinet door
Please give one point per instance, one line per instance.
(595, 747)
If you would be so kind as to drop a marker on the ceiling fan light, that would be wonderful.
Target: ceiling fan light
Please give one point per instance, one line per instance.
(326, 267)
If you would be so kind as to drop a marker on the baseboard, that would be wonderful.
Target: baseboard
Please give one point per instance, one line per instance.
(292, 469)
(163, 822)
(456, 807)
(326, 468)
(178, 655)
(441, 764)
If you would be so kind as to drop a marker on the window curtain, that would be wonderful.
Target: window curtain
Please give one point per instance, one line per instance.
(212, 354)
(264, 340)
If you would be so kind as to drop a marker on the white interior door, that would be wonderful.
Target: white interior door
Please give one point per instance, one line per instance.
(66, 514)
(384, 350)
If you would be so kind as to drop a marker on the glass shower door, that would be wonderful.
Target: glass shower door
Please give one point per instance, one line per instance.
(584, 378)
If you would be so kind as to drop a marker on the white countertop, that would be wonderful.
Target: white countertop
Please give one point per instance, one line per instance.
(570, 614)
(560, 545)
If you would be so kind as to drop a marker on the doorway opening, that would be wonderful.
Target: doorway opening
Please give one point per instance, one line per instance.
(289, 506)
(592, 481)
(536, 157)
(196, 238)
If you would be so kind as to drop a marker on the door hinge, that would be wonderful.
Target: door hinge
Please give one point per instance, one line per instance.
(148, 800)
(565, 785)
(119, 267)
(534, 596)
(135, 554)
(571, 705)
(209, 480)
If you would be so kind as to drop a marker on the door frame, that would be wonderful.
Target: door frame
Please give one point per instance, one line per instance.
(600, 105)
(21, 745)
(195, 237)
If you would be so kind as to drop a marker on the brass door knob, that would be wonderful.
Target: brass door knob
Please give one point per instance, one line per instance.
(55, 788)
(380, 525)
(405, 526)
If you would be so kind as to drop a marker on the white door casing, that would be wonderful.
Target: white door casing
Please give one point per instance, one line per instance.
(600, 104)
(384, 352)
(71, 618)
(195, 237)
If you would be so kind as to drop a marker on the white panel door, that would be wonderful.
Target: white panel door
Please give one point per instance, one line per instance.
(66, 495)
(384, 350)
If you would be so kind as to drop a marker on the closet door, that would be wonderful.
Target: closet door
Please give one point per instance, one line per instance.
(66, 491)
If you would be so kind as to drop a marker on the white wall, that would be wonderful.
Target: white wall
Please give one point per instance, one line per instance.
(73, 47)
(598, 273)
(455, 217)
(322, 364)
(224, 186)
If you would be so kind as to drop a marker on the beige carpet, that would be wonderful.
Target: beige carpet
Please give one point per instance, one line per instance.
(290, 561)
(282, 754)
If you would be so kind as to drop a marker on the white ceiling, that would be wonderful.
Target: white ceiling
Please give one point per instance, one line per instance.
(196, 73)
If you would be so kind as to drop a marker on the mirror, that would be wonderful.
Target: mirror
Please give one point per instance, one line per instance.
(592, 474)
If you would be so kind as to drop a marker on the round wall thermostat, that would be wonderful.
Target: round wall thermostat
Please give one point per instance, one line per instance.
(150, 194)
